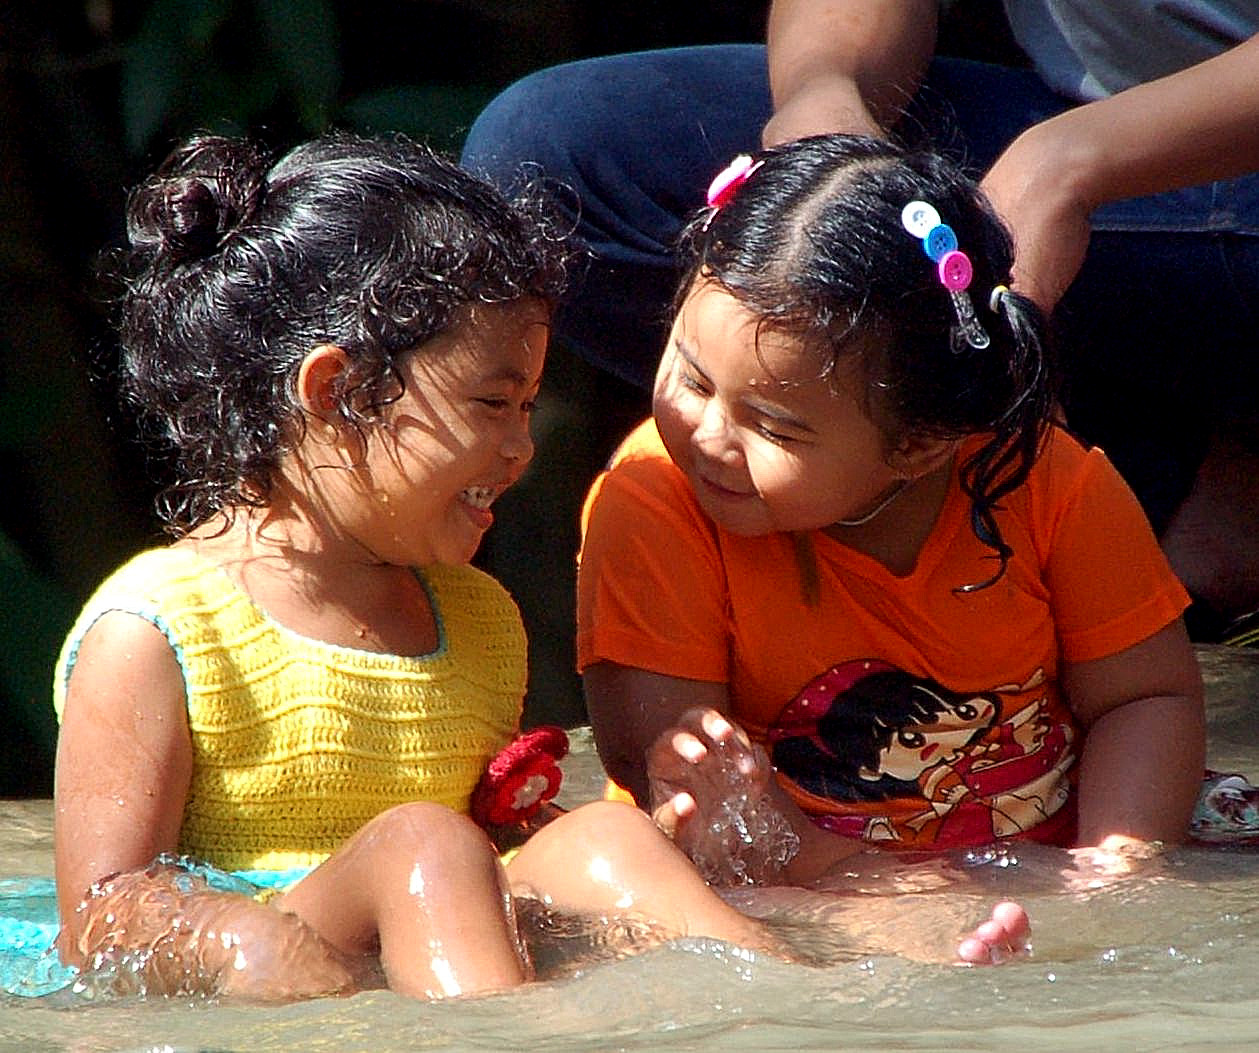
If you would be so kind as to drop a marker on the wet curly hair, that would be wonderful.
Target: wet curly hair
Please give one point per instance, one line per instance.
(813, 245)
(237, 265)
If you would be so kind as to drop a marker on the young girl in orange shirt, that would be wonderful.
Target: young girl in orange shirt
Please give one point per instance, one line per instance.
(853, 585)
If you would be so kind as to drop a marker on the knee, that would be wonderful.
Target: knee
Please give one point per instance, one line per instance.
(555, 118)
(606, 822)
(421, 828)
(528, 121)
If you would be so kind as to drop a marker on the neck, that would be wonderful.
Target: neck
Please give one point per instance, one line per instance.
(888, 496)
(897, 541)
(322, 587)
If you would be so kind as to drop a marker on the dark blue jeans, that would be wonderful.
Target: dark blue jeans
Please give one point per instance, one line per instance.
(1158, 334)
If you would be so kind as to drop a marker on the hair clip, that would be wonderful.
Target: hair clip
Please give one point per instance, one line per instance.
(953, 266)
(730, 178)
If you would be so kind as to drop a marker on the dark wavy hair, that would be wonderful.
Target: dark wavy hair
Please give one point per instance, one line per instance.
(813, 245)
(239, 265)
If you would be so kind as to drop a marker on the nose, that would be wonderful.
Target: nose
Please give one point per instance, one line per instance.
(517, 444)
(711, 435)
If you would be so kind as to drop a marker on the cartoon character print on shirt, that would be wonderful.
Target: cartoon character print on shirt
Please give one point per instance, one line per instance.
(865, 732)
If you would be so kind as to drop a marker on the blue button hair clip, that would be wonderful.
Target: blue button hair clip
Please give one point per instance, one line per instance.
(953, 266)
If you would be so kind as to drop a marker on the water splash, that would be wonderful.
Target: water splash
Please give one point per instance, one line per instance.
(741, 836)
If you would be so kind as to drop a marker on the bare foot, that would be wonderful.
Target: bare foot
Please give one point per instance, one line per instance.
(1004, 936)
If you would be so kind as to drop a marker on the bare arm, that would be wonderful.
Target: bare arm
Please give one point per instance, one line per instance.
(124, 764)
(631, 708)
(1145, 739)
(845, 65)
(124, 759)
(1191, 127)
(637, 716)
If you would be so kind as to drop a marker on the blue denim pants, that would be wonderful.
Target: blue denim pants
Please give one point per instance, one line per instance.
(1157, 335)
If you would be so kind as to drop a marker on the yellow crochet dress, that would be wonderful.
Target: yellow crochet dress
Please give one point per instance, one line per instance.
(297, 743)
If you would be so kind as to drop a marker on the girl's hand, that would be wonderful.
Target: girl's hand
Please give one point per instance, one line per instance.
(713, 793)
(705, 755)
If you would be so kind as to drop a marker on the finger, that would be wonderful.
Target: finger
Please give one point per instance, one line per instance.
(688, 747)
(671, 816)
(716, 726)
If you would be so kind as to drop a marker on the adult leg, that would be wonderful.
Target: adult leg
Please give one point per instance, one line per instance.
(636, 138)
(1212, 538)
(423, 887)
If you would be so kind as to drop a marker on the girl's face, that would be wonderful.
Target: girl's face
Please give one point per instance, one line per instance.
(422, 486)
(916, 747)
(766, 443)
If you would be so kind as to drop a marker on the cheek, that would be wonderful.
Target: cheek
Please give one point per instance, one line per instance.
(780, 478)
(673, 421)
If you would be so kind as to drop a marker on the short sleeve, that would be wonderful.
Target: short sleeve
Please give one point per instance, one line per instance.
(1111, 585)
(650, 584)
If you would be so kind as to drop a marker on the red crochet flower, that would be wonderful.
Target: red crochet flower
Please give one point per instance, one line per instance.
(522, 778)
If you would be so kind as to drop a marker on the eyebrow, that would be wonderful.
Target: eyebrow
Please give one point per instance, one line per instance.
(515, 376)
(761, 406)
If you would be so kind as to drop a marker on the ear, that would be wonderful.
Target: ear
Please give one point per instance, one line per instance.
(320, 378)
(917, 456)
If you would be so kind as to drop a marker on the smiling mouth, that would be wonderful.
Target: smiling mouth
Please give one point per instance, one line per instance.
(722, 491)
(479, 496)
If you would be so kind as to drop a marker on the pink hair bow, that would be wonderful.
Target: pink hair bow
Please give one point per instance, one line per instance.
(730, 178)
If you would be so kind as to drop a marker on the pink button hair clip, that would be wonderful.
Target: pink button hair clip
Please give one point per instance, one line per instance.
(953, 266)
(730, 178)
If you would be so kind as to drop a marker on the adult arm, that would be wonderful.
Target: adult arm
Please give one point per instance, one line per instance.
(124, 765)
(1145, 739)
(1191, 127)
(845, 65)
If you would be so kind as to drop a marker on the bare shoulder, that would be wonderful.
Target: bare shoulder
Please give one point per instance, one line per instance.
(124, 654)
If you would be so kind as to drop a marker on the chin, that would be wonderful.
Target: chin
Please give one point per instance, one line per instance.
(739, 526)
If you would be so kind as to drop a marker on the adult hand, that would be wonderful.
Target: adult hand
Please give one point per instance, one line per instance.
(1032, 188)
(845, 65)
(826, 105)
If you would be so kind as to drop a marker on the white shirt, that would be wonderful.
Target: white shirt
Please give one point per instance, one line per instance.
(1089, 49)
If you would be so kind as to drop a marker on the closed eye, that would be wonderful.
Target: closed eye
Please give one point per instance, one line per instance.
(500, 404)
(767, 432)
(693, 383)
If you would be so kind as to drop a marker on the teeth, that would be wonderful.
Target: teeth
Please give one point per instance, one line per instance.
(478, 496)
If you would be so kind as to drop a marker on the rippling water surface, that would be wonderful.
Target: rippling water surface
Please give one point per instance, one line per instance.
(1165, 962)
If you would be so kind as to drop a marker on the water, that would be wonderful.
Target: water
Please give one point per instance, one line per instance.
(1165, 962)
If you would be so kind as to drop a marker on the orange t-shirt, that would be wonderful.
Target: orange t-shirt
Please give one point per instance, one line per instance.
(895, 709)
